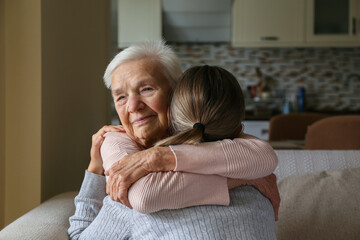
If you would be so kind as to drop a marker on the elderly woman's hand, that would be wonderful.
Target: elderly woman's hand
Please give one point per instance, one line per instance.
(129, 169)
(96, 164)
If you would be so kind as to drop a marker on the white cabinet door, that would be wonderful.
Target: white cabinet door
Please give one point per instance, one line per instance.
(333, 22)
(268, 22)
(138, 21)
(259, 129)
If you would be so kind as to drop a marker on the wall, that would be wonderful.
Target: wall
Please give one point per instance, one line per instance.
(55, 53)
(2, 112)
(322, 71)
(22, 68)
(75, 53)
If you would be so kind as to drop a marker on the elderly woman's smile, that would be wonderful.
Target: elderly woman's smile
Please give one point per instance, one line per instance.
(141, 93)
(142, 120)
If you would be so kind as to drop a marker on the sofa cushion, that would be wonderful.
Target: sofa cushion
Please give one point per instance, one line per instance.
(49, 220)
(321, 205)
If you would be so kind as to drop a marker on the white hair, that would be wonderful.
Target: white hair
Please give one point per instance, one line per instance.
(155, 50)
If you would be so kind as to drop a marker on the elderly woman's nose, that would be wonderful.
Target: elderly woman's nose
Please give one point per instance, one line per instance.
(135, 103)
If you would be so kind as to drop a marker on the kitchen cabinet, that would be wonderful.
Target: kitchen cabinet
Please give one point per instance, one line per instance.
(258, 128)
(138, 21)
(295, 23)
(334, 22)
(268, 23)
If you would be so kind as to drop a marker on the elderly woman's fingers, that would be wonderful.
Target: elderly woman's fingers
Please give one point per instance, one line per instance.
(98, 138)
(118, 190)
(122, 195)
(134, 164)
(95, 147)
(154, 159)
(114, 190)
(108, 128)
(121, 177)
(95, 165)
(111, 188)
(131, 168)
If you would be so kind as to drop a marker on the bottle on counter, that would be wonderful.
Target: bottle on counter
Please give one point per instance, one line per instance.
(294, 103)
(288, 105)
(301, 99)
(287, 108)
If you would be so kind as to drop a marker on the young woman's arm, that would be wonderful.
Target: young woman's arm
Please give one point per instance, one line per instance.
(246, 157)
(169, 190)
(174, 190)
(163, 190)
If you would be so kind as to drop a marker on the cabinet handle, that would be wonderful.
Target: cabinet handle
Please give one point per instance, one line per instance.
(269, 38)
(354, 26)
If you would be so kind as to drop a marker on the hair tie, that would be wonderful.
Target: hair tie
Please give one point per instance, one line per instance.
(199, 125)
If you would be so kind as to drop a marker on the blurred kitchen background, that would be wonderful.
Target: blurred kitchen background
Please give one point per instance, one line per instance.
(288, 56)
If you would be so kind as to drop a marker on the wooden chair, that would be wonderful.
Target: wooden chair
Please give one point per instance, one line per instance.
(340, 133)
(291, 126)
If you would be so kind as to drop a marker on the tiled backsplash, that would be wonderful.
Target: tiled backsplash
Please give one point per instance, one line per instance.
(325, 73)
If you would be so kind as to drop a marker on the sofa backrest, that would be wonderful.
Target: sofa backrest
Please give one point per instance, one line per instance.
(296, 162)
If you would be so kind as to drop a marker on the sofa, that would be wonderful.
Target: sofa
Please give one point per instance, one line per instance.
(319, 189)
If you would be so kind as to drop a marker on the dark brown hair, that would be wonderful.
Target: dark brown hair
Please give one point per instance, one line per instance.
(208, 95)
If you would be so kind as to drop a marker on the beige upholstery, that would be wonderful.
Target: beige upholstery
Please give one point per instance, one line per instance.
(291, 126)
(320, 205)
(340, 133)
(50, 220)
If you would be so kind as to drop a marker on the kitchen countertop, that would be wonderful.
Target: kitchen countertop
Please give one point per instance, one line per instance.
(288, 144)
(265, 117)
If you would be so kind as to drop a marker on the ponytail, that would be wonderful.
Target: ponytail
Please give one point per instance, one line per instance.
(191, 136)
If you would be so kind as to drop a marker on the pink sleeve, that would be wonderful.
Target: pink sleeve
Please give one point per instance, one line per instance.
(164, 190)
(174, 190)
(246, 157)
(116, 146)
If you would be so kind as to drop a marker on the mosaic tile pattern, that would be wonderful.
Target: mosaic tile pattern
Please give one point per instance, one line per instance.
(325, 73)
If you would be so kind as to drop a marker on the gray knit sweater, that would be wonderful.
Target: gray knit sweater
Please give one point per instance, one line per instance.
(249, 216)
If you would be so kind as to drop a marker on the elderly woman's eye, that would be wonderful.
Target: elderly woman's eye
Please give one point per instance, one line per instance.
(147, 90)
(120, 99)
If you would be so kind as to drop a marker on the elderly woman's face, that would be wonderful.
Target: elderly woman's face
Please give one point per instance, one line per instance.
(141, 93)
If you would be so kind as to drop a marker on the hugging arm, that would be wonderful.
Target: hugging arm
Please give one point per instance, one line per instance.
(162, 190)
(174, 190)
(171, 190)
(246, 157)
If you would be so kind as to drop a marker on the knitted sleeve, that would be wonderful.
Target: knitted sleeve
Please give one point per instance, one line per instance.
(87, 204)
(246, 157)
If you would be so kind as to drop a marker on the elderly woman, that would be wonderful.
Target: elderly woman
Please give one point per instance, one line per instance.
(141, 81)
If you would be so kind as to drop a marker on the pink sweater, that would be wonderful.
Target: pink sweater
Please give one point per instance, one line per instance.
(208, 165)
